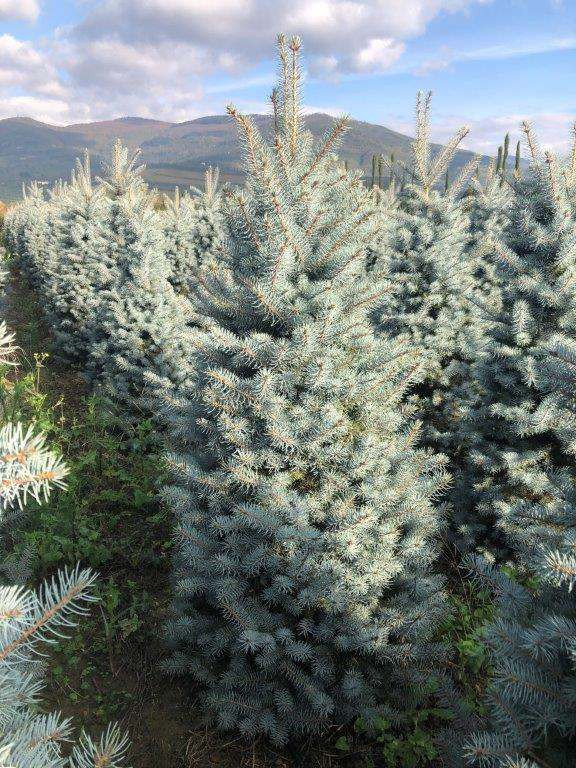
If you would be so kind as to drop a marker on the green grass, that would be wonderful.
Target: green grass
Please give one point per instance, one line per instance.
(108, 518)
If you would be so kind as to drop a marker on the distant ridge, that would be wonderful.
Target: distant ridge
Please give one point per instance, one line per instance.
(174, 153)
(134, 120)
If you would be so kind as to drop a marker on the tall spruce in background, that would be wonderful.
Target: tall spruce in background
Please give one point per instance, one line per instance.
(80, 270)
(458, 405)
(487, 206)
(192, 231)
(207, 236)
(27, 232)
(511, 427)
(427, 256)
(304, 515)
(179, 222)
(533, 480)
(435, 279)
(141, 347)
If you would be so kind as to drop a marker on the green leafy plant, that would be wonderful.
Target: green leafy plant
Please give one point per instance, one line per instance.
(407, 747)
(108, 518)
(462, 630)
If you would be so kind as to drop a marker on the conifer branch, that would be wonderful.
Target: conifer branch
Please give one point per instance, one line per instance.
(274, 99)
(295, 46)
(573, 152)
(531, 140)
(77, 584)
(342, 240)
(241, 202)
(337, 130)
(446, 155)
(552, 175)
(421, 147)
(464, 175)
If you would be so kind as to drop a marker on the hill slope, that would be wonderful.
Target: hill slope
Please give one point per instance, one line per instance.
(174, 153)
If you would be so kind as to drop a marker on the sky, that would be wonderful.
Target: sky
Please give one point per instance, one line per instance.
(490, 63)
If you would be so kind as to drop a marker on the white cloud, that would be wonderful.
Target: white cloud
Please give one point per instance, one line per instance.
(113, 65)
(111, 78)
(443, 59)
(25, 10)
(241, 84)
(47, 110)
(340, 35)
(553, 129)
(23, 66)
(154, 57)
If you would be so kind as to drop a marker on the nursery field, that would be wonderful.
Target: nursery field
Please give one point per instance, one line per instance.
(288, 466)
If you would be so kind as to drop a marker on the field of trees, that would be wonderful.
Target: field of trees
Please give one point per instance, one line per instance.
(288, 466)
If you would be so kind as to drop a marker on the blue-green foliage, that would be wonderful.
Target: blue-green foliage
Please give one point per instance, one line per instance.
(437, 256)
(140, 347)
(530, 479)
(456, 420)
(427, 257)
(514, 458)
(304, 514)
(26, 232)
(79, 272)
(192, 225)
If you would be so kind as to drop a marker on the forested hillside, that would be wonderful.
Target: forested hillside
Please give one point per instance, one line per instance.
(174, 153)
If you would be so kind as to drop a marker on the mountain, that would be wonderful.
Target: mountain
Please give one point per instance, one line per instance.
(174, 153)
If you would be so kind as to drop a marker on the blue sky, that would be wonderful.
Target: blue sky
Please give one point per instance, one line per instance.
(490, 63)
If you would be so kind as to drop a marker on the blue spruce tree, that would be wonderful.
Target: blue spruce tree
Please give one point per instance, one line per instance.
(27, 232)
(457, 415)
(438, 284)
(511, 426)
(74, 279)
(427, 257)
(533, 641)
(304, 514)
(140, 350)
(192, 230)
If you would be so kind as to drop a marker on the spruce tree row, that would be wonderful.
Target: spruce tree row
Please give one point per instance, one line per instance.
(112, 273)
(350, 382)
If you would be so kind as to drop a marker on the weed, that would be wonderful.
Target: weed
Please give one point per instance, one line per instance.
(108, 518)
